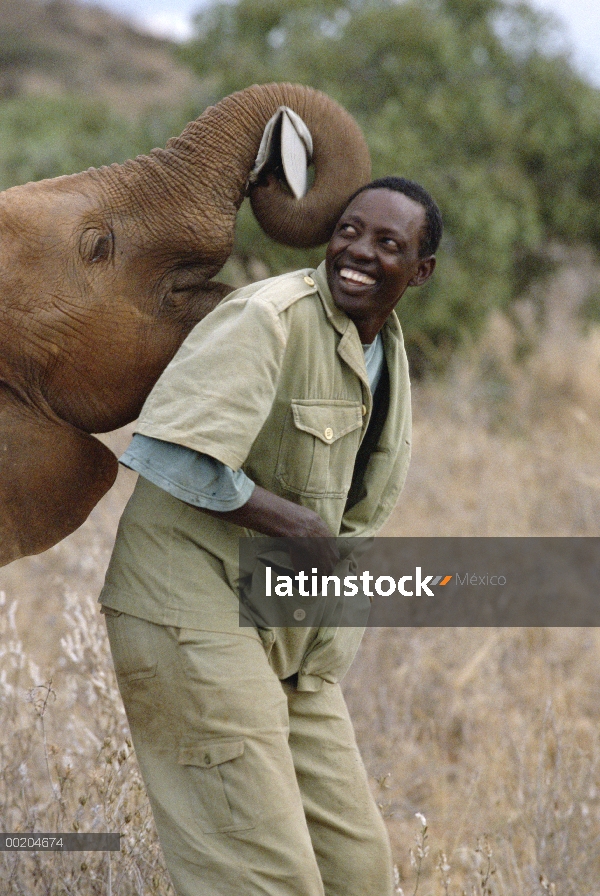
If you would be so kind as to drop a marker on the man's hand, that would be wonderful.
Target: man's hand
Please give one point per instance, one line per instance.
(308, 554)
(310, 542)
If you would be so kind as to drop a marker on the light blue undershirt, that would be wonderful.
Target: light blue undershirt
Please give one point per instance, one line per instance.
(201, 480)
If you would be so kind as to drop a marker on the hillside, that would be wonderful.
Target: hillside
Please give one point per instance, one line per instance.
(57, 47)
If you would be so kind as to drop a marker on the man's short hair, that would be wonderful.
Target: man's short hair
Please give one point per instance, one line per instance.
(432, 232)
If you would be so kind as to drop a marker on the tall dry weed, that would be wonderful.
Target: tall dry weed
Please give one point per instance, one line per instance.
(68, 766)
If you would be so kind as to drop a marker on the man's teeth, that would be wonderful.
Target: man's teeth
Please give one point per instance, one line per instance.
(357, 277)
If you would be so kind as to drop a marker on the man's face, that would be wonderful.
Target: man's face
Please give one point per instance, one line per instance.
(373, 256)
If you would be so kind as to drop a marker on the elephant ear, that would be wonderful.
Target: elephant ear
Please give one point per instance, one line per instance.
(51, 477)
(318, 131)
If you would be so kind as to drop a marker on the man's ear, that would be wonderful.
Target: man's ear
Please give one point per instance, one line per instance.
(424, 271)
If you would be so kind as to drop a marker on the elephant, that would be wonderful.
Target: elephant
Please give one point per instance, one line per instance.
(104, 273)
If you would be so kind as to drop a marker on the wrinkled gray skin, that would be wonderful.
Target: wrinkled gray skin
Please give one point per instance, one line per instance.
(104, 273)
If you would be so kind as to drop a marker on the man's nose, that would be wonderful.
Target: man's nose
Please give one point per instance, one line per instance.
(362, 247)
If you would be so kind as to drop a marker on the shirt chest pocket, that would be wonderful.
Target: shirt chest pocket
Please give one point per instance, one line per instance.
(318, 447)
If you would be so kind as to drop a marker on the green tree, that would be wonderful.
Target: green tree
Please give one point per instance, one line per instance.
(464, 96)
(45, 137)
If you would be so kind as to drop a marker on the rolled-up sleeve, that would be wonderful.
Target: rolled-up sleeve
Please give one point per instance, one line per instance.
(195, 478)
(218, 390)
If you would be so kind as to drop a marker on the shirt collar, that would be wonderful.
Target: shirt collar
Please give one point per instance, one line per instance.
(338, 318)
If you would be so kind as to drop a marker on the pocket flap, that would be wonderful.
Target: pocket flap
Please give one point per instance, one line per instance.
(327, 420)
(205, 754)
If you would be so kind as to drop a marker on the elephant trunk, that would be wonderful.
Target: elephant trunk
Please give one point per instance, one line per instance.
(206, 171)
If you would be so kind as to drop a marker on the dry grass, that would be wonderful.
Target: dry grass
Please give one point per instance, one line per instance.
(493, 735)
(68, 765)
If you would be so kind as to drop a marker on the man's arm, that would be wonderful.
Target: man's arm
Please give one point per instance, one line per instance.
(311, 543)
(209, 486)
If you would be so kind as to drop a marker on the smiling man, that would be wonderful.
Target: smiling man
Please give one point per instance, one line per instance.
(285, 412)
(381, 246)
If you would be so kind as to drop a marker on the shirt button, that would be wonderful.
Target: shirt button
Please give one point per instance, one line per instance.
(328, 433)
(364, 410)
(309, 281)
(299, 615)
(207, 758)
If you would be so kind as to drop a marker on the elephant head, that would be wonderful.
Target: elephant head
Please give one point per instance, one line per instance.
(104, 273)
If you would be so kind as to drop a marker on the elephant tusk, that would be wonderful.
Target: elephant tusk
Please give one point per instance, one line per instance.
(286, 149)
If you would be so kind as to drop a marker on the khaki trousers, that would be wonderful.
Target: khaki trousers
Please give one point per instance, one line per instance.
(256, 787)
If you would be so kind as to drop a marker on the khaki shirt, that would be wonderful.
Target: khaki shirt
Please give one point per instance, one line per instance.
(272, 381)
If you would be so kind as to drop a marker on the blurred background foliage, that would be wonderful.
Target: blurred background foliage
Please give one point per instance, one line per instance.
(467, 97)
(45, 137)
(464, 96)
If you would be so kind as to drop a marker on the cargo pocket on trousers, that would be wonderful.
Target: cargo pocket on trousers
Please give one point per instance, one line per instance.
(131, 645)
(220, 782)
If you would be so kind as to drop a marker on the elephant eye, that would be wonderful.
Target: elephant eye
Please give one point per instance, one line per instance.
(96, 245)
